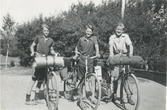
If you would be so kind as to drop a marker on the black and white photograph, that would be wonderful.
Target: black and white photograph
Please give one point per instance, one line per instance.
(83, 54)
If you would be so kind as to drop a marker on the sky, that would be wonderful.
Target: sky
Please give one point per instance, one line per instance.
(25, 10)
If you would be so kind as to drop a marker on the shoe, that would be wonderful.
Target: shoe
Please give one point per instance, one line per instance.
(52, 96)
(114, 97)
(72, 86)
(84, 107)
(31, 102)
(130, 100)
(39, 102)
(93, 100)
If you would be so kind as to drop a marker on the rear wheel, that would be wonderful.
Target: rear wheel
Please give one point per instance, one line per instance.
(133, 88)
(86, 95)
(68, 89)
(52, 91)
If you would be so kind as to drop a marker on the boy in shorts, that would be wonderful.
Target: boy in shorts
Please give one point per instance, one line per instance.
(87, 46)
(44, 47)
(117, 46)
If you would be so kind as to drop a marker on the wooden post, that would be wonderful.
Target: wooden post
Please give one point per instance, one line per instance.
(123, 9)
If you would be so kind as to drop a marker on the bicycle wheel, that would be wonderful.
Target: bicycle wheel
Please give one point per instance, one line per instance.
(87, 98)
(68, 89)
(133, 88)
(52, 91)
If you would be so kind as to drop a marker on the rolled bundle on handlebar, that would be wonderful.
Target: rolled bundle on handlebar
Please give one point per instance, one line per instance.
(51, 61)
(125, 60)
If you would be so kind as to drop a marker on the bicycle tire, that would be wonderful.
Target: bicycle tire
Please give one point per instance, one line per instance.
(84, 95)
(52, 100)
(133, 86)
(68, 91)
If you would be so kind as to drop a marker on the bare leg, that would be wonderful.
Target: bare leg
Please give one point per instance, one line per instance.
(28, 94)
(92, 86)
(126, 85)
(30, 86)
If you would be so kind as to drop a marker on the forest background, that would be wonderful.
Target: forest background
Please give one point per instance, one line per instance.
(145, 22)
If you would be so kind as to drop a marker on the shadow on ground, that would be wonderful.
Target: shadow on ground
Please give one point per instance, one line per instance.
(154, 76)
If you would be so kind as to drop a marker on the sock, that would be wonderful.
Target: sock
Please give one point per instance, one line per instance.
(36, 96)
(115, 86)
(27, 97)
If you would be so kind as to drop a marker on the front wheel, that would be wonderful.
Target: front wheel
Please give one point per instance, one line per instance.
(90, 92)
(52, 91)
(68, 88)
(129, 92)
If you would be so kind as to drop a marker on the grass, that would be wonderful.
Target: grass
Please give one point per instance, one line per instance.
(17, 71)
(15, 59)
(11, 61)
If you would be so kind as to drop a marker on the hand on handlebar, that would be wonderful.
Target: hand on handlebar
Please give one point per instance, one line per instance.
(32, 54)
(75, 57)
(57, 54)
(98, 55)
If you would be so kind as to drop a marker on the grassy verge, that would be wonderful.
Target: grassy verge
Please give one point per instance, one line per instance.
(17, 71)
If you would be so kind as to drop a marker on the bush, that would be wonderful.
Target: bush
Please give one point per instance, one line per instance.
(12, 63)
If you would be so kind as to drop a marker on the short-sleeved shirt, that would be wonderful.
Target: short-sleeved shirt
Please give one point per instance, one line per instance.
(43, 46)
(119, 43)
(87, 45)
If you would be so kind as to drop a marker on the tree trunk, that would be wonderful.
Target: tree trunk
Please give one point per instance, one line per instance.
(7, 52)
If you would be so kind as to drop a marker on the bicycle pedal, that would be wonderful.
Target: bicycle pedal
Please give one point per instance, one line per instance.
(52, 91)
(53, 97)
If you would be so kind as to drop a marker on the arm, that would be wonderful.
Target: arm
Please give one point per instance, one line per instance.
(130, 49)
(53, 52)
(76, 50)
(96, 47)
(97, 50)
(111, 45)
(32, 48)
(129, 43)
(111, 50)
(76, 53)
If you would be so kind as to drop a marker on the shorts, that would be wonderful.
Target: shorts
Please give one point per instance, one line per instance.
(39, 74)
(82, 70)
(115, 72)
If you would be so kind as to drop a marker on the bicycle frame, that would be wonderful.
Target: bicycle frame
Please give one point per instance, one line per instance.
(86, 66)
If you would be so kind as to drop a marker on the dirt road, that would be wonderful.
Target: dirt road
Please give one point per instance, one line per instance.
(13, 90)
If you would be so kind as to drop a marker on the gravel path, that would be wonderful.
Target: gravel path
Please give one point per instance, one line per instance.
(13, 90)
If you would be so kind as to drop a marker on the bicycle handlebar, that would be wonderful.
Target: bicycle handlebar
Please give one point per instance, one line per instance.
(86, 57)
(43, 55)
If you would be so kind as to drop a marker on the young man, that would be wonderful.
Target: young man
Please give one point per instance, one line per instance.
(87, 45)
(117, 46)
(44, 47)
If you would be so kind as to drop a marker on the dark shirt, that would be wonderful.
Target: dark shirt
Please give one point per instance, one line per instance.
(86, 46)
(43, 46)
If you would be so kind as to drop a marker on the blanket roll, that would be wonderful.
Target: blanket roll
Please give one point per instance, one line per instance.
(125, 60)
(51, 61)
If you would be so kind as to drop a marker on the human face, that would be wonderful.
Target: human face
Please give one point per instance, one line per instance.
(88, 32)
(45, 32)
(119, 31)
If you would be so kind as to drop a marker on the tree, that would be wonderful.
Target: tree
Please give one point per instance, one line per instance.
(66, 28)
(8, 33)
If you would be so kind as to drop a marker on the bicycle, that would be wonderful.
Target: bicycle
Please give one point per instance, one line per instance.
(83, 88)
(51, 88)
(126, 74)
(133, 87)
(70, 93)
